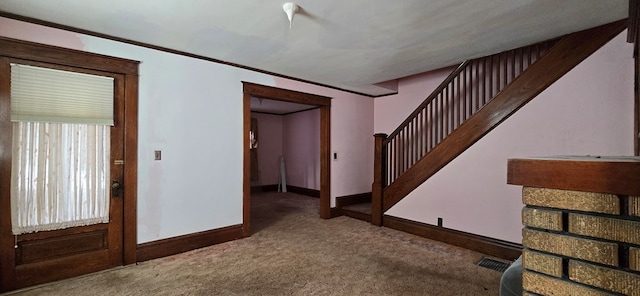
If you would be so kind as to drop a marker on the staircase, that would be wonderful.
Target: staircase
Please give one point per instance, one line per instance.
(475, 98)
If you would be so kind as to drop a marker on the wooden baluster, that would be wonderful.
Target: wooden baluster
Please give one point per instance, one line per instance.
(480, 84)
(416, 141)
(395, 158)
(469, 88)
(390, 162)
(403, 147)
(521, 60)
(420, 133)
(425, 130)
(434, 121)
(483, 97)
(405, 137)
(378, 176)
(489, 73)
(529, 55)
(485, 85)
(416, 137)
(451, 107)
(477, 79)
(513, 65)
(498, 73)
(409, 143)
(540, 51)
(451, 104)
(398, 154)
(445, 114)
(463, 95)
(445, 105)
(440, 118)
(505, 71)
(458, 98)
(430, 127)
(501, 76)
(497, 68)
(405, 154)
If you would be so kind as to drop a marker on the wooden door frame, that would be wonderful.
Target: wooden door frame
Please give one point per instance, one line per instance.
(12, 48)
(279, 94)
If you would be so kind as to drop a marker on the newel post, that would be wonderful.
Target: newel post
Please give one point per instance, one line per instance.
(379, 169)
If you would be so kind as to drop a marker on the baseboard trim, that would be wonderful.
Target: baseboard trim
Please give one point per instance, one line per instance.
(264, 188)
(290, 188)
(180, 244)
(486, 245)
(335, 212)
(304, 191)
(347, 200)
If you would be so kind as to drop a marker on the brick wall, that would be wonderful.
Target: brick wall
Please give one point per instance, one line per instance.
(580, 243)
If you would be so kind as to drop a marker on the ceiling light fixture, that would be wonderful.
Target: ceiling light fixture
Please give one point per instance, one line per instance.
(290, 9)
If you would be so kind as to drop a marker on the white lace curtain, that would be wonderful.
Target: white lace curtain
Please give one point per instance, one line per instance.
(59, 176)
(61, 148)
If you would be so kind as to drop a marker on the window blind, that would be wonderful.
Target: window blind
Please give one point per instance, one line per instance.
(47, 95)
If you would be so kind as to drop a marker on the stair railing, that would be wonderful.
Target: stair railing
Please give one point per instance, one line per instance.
(461, 95)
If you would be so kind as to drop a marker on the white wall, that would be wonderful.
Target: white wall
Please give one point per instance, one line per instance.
(192, 111)
(587, 112)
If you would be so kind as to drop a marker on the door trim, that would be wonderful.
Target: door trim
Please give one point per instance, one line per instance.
(12, 48)
(280, 94)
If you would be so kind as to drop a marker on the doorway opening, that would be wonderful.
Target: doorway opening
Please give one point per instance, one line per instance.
(278, 94)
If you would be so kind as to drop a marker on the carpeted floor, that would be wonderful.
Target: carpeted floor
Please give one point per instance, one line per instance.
(293, 252)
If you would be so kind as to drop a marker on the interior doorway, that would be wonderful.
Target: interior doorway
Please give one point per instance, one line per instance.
(272, 93)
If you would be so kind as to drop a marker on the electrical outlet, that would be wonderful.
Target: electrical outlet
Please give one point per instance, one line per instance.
(335, 155)
(439, 222)
(157, 155)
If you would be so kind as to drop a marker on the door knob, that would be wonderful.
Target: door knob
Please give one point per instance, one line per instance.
(115, 188)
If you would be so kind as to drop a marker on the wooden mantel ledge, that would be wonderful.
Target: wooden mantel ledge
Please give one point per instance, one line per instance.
(605, 174)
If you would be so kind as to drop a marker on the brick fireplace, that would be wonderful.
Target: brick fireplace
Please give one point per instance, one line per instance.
(581, 220)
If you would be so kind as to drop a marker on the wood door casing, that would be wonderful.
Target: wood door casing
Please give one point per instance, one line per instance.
(52, 255)
(279, 94)
(47, 256)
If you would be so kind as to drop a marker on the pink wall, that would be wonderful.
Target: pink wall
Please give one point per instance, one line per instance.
(269, 147)
(297, 137)
(588, 111)
(35, 33)
(301, 148)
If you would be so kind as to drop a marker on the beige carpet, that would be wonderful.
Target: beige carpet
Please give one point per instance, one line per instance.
(293, 252)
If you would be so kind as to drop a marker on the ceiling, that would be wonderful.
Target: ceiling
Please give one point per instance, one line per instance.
(277, 107)
(356, 45)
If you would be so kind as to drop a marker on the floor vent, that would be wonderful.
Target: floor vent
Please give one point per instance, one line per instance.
(494, 264)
